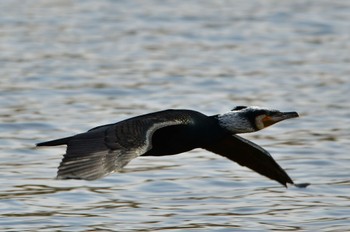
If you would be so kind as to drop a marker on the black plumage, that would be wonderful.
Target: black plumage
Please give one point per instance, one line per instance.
(105, 149)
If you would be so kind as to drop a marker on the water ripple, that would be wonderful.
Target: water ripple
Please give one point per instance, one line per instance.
(70, 66)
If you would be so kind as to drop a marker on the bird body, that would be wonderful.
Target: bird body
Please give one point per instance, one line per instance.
(175, 139)
(108, 148)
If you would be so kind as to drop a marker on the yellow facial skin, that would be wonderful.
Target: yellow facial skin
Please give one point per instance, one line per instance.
(263, 121)
(268, 121)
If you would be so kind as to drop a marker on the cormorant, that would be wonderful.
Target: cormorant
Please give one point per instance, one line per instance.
(106, 149)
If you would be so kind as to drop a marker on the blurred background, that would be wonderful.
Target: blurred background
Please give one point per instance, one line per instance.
(68, 66)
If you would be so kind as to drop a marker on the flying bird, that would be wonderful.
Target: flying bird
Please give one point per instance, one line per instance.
(108, 148)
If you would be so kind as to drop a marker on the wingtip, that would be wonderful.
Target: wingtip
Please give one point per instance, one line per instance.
(286, 184)
(39, 145)
(284, 179)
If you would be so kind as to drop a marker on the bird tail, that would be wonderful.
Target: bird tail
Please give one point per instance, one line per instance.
(55, 142)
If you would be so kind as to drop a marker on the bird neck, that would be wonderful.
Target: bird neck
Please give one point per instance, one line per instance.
(235, 122)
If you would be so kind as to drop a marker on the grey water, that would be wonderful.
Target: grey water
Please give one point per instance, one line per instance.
(67, 66)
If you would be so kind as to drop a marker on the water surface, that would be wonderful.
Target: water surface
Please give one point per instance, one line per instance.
(67, 66)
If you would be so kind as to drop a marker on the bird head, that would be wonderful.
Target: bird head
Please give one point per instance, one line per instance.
(244, 119)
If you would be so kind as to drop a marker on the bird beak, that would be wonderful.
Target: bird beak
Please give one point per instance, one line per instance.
(270, 120)
(286, 115)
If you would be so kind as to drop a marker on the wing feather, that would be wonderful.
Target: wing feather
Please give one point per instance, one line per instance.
(106, 149)
(251, 155)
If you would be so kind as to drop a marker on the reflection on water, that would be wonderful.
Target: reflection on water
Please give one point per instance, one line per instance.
(69, 66)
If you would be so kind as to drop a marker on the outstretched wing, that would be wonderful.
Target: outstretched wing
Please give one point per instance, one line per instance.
(251, 155)
(105, 149)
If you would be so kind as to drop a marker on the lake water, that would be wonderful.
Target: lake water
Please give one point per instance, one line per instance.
(68, 66)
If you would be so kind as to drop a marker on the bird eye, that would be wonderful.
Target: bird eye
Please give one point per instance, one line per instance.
(275, 113)
(239, 108)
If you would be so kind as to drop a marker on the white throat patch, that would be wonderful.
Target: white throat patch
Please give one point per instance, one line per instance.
(258, 122)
